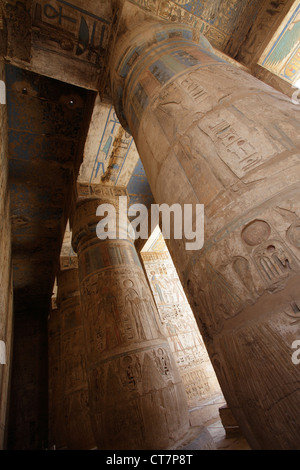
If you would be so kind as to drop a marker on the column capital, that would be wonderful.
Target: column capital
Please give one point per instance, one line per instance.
(104, 194)
(139, 35)
(85, 218)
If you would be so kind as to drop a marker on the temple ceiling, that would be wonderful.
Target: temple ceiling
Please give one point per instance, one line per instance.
(282, 56)
(70, 40)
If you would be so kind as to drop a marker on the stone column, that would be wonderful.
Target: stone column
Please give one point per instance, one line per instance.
(6, 294)
(79, 435)
(137, 399)
(209, 133)
(179, 326)
(57, 425)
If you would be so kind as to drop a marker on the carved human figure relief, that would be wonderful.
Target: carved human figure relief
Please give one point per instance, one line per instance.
(149, 314)
(132, 306)
(158, 287)
(109, 314)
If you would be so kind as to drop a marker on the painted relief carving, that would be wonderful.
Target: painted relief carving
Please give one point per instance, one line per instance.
(179, 326)
(282, 56)
(106, 158)
(218, 23)
(123, 315)
(132, 304)
(157, 287)
(120, 325)
(192, 86)
(64, 27)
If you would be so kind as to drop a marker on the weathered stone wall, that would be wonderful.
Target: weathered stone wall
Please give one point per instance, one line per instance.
(5, 272)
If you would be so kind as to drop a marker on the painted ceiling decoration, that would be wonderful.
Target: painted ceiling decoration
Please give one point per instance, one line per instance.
(69, 40)
(111, 158)
(282, 57)
(217, 20)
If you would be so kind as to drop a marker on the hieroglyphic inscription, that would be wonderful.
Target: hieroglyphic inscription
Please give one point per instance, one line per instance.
(240, 155)
(271, 256)
(179, 326)
(65, 28)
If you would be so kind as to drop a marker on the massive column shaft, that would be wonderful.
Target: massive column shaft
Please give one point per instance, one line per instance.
(182, 332)
(6, 309)
(56, 402)
(79, 434)
(209, 133)
(137, 399)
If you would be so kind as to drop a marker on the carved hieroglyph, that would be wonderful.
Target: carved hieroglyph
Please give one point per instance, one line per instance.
(79, 435)
(180, 328)
(211, 134)
(137, 399)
